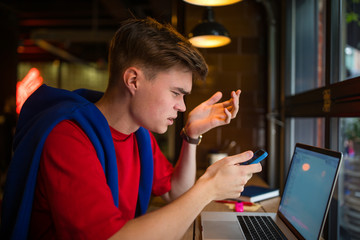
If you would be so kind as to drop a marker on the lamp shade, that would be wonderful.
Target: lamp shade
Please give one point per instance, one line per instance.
(209, 34)
(213, 3)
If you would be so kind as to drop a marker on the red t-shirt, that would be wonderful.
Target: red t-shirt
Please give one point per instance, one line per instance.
(72, 199)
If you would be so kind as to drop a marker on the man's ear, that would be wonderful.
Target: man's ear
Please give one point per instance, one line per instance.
(131, 79)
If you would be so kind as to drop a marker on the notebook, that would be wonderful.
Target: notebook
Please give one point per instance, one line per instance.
(303, 207)
(257, 194)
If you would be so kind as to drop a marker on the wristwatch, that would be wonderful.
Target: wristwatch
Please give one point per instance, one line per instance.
(184, 135)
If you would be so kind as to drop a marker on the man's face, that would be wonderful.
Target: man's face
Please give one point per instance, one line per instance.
(158, 101)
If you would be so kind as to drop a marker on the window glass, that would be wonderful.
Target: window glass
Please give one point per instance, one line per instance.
(349, 179)
(309, 131)
(306, 21)
(350, 44)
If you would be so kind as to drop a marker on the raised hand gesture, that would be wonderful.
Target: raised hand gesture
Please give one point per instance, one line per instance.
(211, 114)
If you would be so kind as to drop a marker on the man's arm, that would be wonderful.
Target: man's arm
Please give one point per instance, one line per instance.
(184, 174)
(224, 179)
(203, 118)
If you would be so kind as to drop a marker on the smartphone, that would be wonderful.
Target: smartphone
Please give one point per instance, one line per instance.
(259, 155)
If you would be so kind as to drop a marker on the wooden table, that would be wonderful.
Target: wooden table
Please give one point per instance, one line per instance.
(270, 205)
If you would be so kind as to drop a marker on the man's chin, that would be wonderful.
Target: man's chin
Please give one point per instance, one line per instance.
(160, 130)
(163, 131)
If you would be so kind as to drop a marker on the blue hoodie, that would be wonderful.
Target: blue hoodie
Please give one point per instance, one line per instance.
(44, 109)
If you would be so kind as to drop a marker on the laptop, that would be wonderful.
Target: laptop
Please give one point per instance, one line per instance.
(303, 207)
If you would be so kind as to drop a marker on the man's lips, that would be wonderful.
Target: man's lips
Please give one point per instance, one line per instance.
(172, 119)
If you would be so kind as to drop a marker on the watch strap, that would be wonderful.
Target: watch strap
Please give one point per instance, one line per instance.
(188, 139)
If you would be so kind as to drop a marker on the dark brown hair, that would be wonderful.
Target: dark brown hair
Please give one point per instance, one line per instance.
(153, 46)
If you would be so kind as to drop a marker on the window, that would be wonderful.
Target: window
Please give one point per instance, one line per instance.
(306, 45)
(349, 180)
(351, 39)
(303, 130)
(322, 96)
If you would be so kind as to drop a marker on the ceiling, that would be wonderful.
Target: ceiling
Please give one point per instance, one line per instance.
(75, 30)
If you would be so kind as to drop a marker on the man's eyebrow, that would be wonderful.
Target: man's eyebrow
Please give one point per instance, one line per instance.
(183, 91)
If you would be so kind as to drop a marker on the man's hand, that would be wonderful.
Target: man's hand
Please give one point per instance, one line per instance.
(226, 178)
(211, 114)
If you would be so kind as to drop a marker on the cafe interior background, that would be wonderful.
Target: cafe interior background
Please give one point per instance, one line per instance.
(297, 63)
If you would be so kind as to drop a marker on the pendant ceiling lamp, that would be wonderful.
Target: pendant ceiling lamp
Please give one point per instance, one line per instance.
(208, 33)
(213, 3)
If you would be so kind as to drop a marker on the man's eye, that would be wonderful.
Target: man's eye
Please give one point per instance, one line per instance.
(176, 93)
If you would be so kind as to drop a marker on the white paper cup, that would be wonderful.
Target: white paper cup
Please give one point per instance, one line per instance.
(213, 157)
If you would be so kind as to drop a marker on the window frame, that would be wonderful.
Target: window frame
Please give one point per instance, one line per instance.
(335, 100)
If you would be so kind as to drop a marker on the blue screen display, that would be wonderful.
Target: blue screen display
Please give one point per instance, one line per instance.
(307, 190)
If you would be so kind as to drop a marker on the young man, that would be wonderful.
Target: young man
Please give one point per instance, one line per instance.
(86, 163)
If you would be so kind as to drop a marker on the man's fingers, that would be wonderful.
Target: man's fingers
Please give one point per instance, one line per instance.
(233, 103)
(241, 157)
(228, 116)
(214, 98)
(238, 92)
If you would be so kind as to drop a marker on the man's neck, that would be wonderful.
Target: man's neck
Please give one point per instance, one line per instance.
(116, 113)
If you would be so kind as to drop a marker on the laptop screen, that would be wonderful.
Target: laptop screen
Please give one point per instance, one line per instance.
(308, 188)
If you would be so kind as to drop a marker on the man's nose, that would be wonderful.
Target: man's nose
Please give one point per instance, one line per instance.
(181, 106)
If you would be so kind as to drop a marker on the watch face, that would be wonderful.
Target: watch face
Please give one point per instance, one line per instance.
(199, 140)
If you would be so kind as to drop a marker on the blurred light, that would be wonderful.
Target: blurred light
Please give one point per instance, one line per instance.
(348, 51)
(26, 87)
(20, 49)
(209, 41)
(213, 3)
(306, 167)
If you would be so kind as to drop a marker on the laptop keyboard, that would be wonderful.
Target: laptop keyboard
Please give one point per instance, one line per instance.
(260, 227)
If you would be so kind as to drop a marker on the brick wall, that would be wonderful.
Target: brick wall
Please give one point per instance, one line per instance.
(239, 65)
